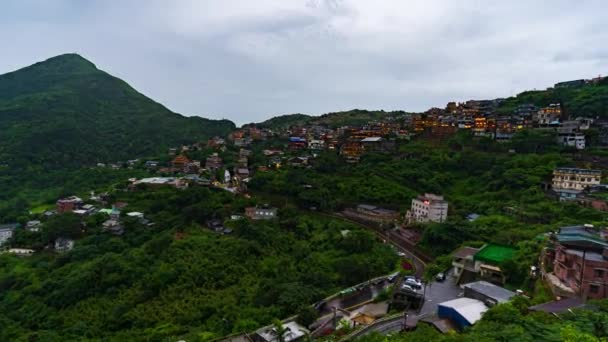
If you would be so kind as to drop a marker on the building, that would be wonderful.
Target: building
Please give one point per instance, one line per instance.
(33, 226)
(7, 231)
(69, 204)
(316, 144)
(63, 244)
(352, 151)
(258, 213)
(293, 332)
(576, 140)
(490, 257)
(373, 144)
(569, 84)
(297, 143)
(428, 208)
(549, 115)
(465, 267)
(376, 214)
(488, 293)
(180, 162)
(568, 182)
(21, 251)
(213, 162)
(581, 261)
(463, 312)
(471, 264)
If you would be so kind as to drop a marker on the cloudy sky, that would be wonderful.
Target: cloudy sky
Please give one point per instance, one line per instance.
(247, 60)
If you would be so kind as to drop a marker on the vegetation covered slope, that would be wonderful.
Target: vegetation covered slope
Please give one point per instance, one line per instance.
(66, 112)
(585, 100)
(355, 117)
(177, 278)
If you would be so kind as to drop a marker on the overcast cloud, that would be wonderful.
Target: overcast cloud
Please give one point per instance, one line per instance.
(248, 60)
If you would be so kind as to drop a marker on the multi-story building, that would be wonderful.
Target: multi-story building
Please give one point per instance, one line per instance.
(576, 140)
(6, 232)
(568, 182)
(213, 162)
(428, 208)
(581, 261)
(69, 204)
(549, 115)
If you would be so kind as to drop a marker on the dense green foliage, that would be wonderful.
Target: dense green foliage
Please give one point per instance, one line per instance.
(355, 117)
(176, 277)
(65, 112)
(475, 175)
(586, 100)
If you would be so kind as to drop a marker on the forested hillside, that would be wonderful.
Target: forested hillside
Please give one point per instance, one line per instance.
(585, 100)
(177, 278)
(64, 112)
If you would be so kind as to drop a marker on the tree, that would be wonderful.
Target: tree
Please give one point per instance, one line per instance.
(307, 315)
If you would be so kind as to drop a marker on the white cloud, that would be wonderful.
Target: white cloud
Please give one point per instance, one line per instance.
(247, 60)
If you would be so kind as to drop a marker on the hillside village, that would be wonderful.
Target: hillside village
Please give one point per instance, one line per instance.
(573, 260)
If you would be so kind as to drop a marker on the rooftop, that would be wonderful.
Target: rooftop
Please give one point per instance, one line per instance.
(494, 253)
(372, 139)
(470, 309)
(498, 293)
(577, 170)
(294, 331)
(465, 252)
(559, 306)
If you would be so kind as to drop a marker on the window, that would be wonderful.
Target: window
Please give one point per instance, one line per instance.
(598, 273)
(594, 288)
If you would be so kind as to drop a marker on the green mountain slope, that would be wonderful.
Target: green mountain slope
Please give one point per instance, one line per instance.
(586, 100)
(335, 119)
(65, 112)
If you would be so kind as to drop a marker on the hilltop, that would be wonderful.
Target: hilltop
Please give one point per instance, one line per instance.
(65, 112)
(333, 120)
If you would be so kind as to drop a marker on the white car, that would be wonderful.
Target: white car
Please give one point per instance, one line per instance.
(401, 254)
(413, 283)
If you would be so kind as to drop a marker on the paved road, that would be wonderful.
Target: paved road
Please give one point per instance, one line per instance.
(436, 292)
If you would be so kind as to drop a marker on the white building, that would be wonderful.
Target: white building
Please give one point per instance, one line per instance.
(576, 140)
(428, 208)
(568, 182)
(6, 232)
(63, 244)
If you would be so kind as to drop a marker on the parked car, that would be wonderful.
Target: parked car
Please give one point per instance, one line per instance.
(407, 287)
(413, 282)
(401, 254)
(391, 278)
(440, 276)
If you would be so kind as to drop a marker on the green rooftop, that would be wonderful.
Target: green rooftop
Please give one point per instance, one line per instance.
(494, 254)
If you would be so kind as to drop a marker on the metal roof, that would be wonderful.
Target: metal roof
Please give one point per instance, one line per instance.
(500, 294)
(470, 309)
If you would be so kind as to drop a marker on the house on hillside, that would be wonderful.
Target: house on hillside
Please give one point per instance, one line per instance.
(69, 204)
(7, 231)
(261, 213)
(580, 262)
(484, 263)
(428, 208)
(63, 244)
(568, 182)
(293, 332)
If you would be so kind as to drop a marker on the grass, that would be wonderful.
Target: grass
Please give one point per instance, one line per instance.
(41, 208)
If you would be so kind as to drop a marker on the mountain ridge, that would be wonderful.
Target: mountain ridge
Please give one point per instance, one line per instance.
(64, 111)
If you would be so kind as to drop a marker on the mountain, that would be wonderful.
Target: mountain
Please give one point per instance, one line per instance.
(65, 112)
(335, 119)
(582, 100)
